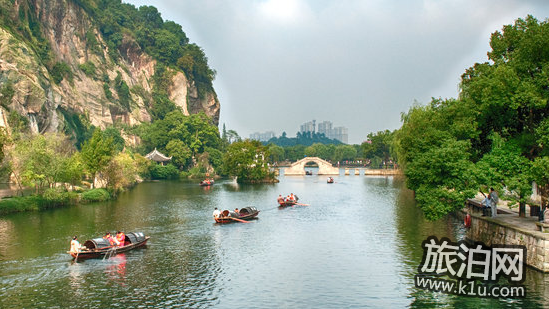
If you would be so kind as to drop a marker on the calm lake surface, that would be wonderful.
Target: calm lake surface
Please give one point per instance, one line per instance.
(357, 245)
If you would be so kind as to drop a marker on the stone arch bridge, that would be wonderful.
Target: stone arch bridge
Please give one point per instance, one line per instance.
(298, 168)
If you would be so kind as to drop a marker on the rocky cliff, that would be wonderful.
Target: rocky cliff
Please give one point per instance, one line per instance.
(92, 80)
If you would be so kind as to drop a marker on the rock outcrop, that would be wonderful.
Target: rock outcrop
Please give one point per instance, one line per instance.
(68, 30)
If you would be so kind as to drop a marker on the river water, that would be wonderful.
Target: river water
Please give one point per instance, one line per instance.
(357, 245)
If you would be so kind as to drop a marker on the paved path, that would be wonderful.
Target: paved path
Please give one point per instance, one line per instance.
(510, 217)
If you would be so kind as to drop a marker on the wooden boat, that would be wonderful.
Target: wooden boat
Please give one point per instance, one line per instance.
(246, 213)
(308, 173)
(206, 183)
(101, 248)
(287, 203)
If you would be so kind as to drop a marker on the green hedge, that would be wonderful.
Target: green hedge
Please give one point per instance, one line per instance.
(158, 171)
(19, 204)
(52, 198)
(96, 195)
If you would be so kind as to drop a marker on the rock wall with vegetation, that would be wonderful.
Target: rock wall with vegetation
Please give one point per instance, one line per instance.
(67, 65)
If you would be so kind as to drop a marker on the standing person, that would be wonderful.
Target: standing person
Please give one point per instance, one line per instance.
(216, 213)
(495, 199)
(75, 245)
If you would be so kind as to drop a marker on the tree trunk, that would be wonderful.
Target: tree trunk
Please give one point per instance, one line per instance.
(522, 209)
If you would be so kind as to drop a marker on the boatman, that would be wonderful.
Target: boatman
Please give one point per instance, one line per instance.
(280, 199)
(75, 245)
(216, 213)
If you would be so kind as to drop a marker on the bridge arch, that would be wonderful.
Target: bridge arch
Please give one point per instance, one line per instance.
(298, 168)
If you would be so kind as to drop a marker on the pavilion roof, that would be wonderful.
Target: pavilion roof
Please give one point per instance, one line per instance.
(157, 156)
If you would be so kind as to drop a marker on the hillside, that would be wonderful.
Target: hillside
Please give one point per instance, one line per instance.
(66, 65)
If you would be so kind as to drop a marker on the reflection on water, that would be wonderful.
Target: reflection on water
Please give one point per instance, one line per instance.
(357, 245)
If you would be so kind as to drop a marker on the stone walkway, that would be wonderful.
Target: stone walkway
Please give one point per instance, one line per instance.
(509, 217)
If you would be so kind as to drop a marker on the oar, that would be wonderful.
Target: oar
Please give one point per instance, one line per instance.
(302, 204)
(239, 220)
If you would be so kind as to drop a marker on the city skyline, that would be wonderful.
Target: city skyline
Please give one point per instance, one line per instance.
(325, 127)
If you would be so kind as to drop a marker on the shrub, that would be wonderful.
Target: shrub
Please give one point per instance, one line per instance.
(96, 195)
(164, 171)
(88, 68)
(57, 197)
(59, 71)
(19, 204)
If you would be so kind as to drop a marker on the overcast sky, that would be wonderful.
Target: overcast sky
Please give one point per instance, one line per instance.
(356, 63)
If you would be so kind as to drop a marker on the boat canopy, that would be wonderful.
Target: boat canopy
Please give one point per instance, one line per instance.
(247, 210)
(97, 243)
(135, 237)
(228, 213)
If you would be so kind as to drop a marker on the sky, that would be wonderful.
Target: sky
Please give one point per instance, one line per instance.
(357, 63)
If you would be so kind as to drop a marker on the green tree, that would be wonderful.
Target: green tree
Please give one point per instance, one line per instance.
(117, 139)
(344, 152)
(40, 160)
(505, 166)
(378, 145)
(247, 160)
(276, 153)
(97, 152)
(181, 153)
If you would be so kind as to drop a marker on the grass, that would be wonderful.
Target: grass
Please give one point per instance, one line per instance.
(52, 198)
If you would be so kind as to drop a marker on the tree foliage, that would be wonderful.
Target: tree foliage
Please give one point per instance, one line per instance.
(302, 138)
(494, 135)
(40, 161)
(247, 160)
(97, 152)
(181, 136)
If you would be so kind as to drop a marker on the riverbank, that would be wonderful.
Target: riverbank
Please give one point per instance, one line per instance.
(507, 228)
(52, 198)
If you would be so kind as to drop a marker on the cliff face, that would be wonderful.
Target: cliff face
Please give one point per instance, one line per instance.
(91, 89)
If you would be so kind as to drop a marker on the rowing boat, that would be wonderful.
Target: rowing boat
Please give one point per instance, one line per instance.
(287, 203)
(101, 248)
(246, 213)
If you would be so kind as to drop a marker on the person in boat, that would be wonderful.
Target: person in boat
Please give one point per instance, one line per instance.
(293, 197)
(237, 211)
(120, 237)
(75, 245)
(110, 239)
(216, 213)
(280, 199)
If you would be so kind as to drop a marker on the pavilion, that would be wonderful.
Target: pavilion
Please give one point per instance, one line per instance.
(157, 156)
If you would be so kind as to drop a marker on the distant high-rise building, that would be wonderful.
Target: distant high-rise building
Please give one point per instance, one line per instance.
(262, 137)
(325, 127)
(308, 127)
(339, 133)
